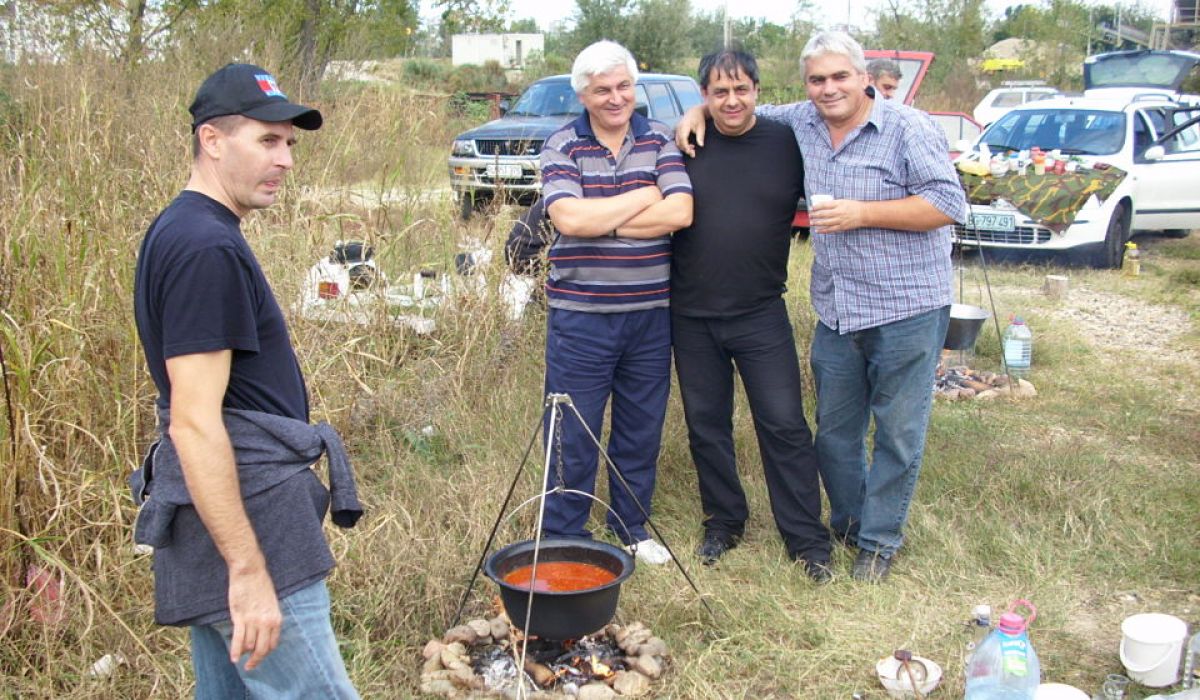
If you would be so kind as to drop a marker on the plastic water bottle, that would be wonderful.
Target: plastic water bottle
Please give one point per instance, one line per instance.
(1005, 666)
(1018, 348)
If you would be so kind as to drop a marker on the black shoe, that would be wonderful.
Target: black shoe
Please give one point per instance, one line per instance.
(870, 567)
(714, 546)
(817, 568)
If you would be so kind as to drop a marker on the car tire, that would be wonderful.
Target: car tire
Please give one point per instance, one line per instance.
(1112, 254)
(1176, 233)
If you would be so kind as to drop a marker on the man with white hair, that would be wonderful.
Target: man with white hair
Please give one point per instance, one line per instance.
(615, 188)
(880, 286)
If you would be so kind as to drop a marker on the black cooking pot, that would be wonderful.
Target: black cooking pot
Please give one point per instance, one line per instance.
(561, 615)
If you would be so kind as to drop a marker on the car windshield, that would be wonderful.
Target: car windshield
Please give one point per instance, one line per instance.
(547, 98)
(1071, 131)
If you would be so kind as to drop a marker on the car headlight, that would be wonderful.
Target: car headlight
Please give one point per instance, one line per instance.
(463, 147)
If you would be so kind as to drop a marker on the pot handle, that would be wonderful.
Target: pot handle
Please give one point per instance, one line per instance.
(559, 489)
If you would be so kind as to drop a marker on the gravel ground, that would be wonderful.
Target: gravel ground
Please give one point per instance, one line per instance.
(1120, 323)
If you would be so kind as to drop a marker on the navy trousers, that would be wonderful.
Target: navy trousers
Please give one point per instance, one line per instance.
(592, 357)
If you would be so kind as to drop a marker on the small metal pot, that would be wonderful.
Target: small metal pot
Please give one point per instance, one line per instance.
(965, 322)
(566, 614)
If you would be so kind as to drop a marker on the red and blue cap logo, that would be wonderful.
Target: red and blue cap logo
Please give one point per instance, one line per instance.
(266, 83)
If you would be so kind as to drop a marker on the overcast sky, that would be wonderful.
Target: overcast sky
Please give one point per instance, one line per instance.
(778, 11)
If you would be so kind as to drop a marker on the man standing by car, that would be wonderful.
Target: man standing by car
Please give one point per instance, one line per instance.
(227, 495)
(885, 77)
(880, 286)
(615, 187)
(728, 275)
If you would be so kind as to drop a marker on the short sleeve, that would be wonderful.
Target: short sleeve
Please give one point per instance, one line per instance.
(931, 174)
(209, 303)
(560, 173)
(672, 173)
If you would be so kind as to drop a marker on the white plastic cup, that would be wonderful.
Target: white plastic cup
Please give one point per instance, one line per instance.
(1151, 645)
(819, 199)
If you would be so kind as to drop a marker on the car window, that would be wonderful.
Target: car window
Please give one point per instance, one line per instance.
(662, 105)
(686, 93)
(642, 100)
(1188, 139)
(1009, 98)
(1073, 131)
(547, 98)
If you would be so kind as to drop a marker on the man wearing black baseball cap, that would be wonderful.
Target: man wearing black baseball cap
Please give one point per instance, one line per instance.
(227, 496)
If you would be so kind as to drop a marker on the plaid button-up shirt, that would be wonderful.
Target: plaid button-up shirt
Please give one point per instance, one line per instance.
(867, 277)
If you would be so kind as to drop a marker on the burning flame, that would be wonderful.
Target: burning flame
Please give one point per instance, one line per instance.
(600, 668)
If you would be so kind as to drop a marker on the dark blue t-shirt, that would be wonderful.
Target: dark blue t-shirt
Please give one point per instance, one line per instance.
(198, 289)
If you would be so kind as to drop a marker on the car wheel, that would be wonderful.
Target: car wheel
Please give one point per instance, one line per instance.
(1112, 254)
(1176, 233)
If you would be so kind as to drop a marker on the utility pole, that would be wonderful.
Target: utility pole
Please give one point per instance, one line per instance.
(726, 22)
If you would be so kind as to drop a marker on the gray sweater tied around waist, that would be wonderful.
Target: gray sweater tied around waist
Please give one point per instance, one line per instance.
(268, 449)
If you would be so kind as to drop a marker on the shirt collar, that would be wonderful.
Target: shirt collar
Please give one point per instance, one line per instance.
(876, 116)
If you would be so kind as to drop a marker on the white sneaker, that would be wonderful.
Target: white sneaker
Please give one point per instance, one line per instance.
(651, 552)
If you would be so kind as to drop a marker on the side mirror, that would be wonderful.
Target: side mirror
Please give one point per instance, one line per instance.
(962, 145)
(1154, 153)
(642, 109)
(504, 106)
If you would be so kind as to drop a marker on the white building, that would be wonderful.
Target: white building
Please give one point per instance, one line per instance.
(509, 50)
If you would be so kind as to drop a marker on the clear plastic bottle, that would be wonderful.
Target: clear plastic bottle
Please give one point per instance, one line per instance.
(1132, 266)
(1018, 348)
(1005, 666)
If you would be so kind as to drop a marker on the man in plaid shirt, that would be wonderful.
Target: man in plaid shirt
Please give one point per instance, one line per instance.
(880, 286)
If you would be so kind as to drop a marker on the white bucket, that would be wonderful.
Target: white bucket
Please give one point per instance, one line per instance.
(1151, 646)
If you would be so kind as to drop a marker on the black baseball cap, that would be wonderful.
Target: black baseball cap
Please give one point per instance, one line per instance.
(245, 89)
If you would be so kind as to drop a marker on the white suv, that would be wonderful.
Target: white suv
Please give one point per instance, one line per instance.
(1011, 94)
(1154, 139)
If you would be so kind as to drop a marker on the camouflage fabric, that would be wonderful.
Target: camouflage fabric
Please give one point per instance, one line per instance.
(1051, 200)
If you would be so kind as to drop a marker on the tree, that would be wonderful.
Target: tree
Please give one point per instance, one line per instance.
(127, 29)
(655, 31)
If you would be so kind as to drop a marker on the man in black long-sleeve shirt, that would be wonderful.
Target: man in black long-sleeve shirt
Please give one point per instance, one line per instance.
(728, 275)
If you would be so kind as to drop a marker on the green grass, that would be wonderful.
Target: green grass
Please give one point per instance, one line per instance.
(1082, 500)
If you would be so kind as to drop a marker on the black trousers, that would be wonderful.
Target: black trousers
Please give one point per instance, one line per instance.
(761, 345)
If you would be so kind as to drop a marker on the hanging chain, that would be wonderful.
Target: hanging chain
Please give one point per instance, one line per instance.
(560, 478)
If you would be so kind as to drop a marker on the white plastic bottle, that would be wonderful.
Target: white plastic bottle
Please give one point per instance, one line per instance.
(1005, 666)
(1018, 348)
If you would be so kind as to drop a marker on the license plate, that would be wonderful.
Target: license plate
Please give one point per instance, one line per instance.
(994, 222)
(504, 171)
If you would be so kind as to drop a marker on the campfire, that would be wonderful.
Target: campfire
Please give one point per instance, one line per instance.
(957, 382)
(479, 660)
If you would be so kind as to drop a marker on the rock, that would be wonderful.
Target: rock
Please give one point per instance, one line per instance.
(631, 684)
(948, 394)
(988, 395)
(1024, 390)
(433, 663)
(481, 627)
(432, 648)
(439, 687)
(498, 627)
(466, 678)
(462, 633)
(654, 646)
(452, 657)
(596, 691)
(966, 393)
(999, 380)
(648, 666)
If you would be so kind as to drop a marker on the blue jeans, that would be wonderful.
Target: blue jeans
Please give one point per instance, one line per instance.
(592, 356)
(887, 373)
(306, 664)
